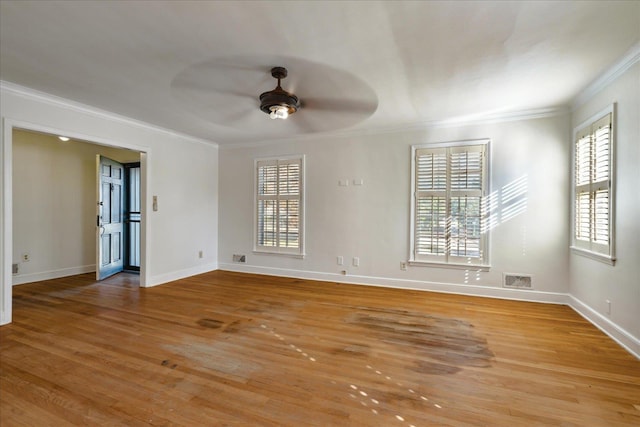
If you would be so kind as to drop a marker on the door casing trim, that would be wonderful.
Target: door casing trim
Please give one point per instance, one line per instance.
(6, 203)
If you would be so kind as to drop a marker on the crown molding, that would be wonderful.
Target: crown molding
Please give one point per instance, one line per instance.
(469, 120)
(57, 101)
(612, 73)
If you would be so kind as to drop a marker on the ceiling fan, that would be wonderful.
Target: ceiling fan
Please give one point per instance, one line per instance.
(224, 91)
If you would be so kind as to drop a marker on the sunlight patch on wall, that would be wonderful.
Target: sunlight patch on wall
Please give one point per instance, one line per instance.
(505, 204)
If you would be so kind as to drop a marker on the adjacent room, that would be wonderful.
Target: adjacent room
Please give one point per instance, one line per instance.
(283, 213)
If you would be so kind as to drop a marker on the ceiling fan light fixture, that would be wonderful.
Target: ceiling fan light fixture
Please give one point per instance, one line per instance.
(279, 103)
(279, 112)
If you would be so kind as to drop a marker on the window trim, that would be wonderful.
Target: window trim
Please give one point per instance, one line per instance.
(607, 258)
(483, 264)
(287, 252)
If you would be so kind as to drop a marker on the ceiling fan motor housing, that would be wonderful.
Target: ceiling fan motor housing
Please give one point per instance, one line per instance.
(279, 96)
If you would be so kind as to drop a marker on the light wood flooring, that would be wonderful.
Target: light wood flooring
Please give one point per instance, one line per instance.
(230, 349)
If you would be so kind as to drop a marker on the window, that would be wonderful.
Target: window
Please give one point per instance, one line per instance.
(449, 189)
(592, 187)
(279, 206)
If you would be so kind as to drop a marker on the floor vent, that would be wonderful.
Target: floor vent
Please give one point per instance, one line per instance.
(517, 281)
(239, 258)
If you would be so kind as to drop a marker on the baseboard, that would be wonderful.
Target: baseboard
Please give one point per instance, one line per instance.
(181, 274)
(452, 288)
(618, 334)
(21, 279)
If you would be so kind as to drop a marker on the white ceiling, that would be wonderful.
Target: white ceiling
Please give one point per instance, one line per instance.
(198, 67)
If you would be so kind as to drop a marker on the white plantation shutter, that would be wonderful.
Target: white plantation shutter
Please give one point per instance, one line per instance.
(279, 205)
(450, 184)
(431, 202)
(592, 186)
(466, 191)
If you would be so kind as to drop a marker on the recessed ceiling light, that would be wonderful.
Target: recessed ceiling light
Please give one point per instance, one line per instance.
(63, 138)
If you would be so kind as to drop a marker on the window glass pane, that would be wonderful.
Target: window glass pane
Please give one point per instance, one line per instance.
(289, 179)
(465, 226)
(289, 214)
(268, 180)
(601, 217)
(267, 222)
(601, 155)
(466, 171)
(134, 244)
(431, 226)
(134, 189)
(583, 216)
(431, 171)
(583, 161)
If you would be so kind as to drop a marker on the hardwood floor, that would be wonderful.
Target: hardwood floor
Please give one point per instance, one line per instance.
(245, 350)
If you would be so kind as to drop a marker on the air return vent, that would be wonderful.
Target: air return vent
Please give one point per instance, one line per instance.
(517, 281)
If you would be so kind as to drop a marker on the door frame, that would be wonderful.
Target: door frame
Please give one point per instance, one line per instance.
(6, 202)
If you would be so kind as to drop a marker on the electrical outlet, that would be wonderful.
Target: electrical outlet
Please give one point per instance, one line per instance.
(403, 266)
(356, 261)
(26, 257)
(340, 260)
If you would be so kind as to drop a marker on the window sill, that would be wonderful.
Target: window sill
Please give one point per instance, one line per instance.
(455, 266)
(605, 259)
(282, 254)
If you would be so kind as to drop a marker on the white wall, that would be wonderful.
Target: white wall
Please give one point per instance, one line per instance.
(54, 211)
(593, 282)
(180, 170)
(372, 221)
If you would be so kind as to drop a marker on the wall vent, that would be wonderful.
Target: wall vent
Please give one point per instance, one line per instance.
(239, 258)
(517, 281)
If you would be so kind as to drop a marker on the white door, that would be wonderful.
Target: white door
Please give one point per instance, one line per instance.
(110, 221)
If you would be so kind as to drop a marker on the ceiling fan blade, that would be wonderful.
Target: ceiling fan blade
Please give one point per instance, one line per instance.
(199, 88)
(236, 116)
(340, 105)
(302, 123)
(239, 94)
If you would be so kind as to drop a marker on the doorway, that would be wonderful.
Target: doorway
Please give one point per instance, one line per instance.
(8, 254)
(54, 201)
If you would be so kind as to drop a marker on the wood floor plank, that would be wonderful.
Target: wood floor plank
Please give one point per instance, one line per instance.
(226, 348)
